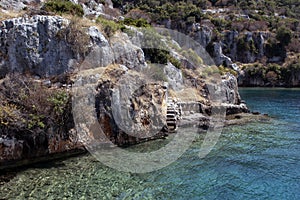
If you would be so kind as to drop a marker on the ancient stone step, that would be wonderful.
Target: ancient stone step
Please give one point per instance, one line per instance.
(173, 114)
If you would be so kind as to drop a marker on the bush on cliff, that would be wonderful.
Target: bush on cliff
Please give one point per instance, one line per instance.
(63, 6)
(109, 26)
(284, 36)
(75, 36)
(28, 105)
(136, 22)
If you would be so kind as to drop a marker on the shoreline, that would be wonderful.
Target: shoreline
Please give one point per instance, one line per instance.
(264, 87)
(13, 167)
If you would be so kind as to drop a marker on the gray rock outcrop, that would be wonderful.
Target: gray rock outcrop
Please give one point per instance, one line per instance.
(49, 45)
(219, 57)
(203, 34)
(18, 5)
(174, 76)
(33, 45)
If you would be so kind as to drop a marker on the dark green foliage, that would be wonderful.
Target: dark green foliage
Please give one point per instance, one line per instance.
(221, 24)
(243, 45)
(136, 22)
(274, 48)
(63, 6)
(156, 55)
(291, 70)
(274, 74)
(174, 62)
(284, 36)
(154, 48)
(210, 48)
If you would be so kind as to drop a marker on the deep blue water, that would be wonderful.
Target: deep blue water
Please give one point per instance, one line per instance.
(258, 160)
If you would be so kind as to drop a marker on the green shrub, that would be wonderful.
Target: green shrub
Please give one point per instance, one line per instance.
(136, 22)
(242, 45)
(155, 49)
(59, 101)
(9, 114)
(31, 104)
(193, 57)
(109, 26)
(35, 121)
(221, 24)
(225, 70)
(63, 6)
(175, 62)
(284, 36)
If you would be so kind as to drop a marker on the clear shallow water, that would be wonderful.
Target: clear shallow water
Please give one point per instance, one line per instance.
(253, 161)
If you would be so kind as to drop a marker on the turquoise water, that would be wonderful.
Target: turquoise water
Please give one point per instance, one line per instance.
(253, 161)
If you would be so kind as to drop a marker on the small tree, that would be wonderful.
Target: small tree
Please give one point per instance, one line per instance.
(284, 36)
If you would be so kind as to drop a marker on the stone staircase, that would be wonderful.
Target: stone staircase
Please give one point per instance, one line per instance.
(173, 114)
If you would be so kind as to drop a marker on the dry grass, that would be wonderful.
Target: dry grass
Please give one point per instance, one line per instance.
(81, 21)
(4, 15)
(188, 95)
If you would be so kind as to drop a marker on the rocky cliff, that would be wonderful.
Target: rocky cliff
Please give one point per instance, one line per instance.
(53, 52)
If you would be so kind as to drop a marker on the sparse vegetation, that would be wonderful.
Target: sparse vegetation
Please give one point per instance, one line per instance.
(225, 70)
(109, 26)
(63, 7)
(174, 62)
(155, 72)
(27, 104)
(76, 36)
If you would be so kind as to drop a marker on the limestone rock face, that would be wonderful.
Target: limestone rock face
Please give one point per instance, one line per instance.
(33, 45)
(17, 5)
(39, 45)
(203, 34)
(295, 79)
(91, 8)
(219, 57)
(174, 76)
(230, 89)
(100, 53)
(126, 53)
(245, 47)
(129, 109)
(291, 79)
(232, 100)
